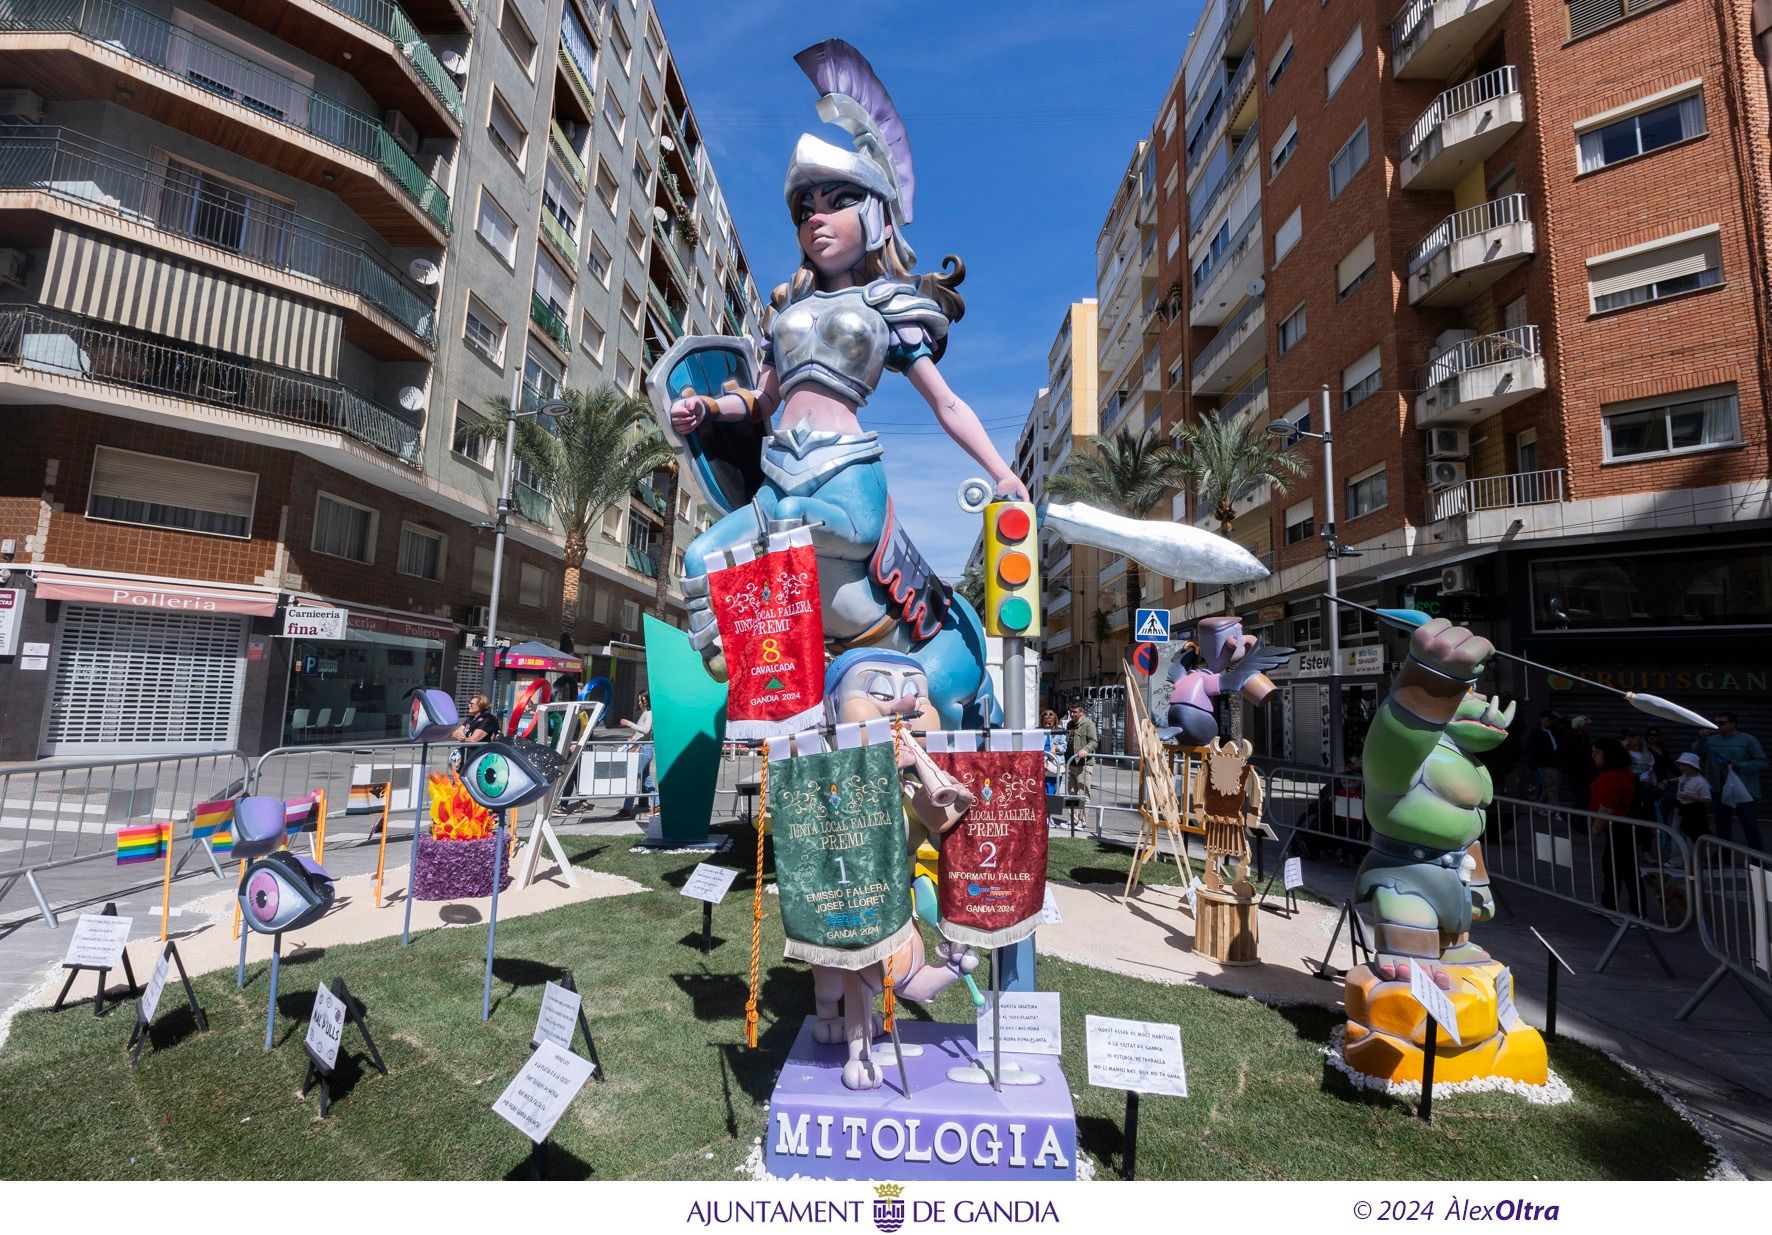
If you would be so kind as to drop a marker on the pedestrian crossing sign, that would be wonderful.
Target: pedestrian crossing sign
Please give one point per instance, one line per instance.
(1152, 626)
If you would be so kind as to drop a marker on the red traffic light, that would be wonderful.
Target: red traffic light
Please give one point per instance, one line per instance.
(1013, 524)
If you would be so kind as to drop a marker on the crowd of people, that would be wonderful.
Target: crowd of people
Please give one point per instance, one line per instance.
(1713, 788)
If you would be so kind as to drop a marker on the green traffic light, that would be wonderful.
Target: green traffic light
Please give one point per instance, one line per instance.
(1014, 613)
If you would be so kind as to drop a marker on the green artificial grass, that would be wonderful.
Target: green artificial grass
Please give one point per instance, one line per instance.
(684, 1099)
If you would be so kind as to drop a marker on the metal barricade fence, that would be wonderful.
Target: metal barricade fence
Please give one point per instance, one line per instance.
(58, 815)
(1732, 894)
(294, 771)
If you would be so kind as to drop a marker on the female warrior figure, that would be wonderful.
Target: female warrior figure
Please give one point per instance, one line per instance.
(851, 311)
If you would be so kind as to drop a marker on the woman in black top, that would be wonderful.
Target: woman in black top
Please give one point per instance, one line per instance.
(481, 725)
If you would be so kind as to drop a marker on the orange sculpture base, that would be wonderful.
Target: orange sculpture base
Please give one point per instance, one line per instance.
(1387, 1030)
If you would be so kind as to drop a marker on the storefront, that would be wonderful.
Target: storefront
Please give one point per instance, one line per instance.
(353, 688)
(1304, 702)
(141, 665)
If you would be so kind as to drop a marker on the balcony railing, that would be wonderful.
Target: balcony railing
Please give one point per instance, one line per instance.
(734, 318)
(1233, 94)
(668, 246)
(578, 74)
(1245, 398)
(1407, 21)
(561, 239)
(549, 319)
(531, 504)
(87, 350)
(390, 20)
(1496, 493)
(1227, 257)
(1472, 221)
(259, 229)
(652, 497)
(1519, 343)
(1461, 98)
(663, 308)
(154, 41)
(1226, 338)
(1241, 159)
(568, 156)
(644, 563)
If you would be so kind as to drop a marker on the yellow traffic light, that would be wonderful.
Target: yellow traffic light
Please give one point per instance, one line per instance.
(1011, 570)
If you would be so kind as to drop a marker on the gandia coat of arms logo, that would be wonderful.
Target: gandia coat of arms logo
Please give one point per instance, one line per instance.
(888, 1207)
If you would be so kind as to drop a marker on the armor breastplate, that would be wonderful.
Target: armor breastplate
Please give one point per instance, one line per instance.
(831, 339)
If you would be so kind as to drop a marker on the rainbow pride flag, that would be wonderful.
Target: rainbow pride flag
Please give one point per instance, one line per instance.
(300, 814)
(214, 822)
(146, 843)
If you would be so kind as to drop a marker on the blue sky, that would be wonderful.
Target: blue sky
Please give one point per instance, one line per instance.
(1021, 118)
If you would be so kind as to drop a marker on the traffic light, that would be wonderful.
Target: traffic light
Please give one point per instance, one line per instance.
(1011, 570)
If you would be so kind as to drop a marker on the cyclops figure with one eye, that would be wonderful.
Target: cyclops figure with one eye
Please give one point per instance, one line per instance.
(851, 311)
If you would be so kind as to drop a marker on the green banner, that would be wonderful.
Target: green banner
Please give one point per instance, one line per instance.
(840, 858)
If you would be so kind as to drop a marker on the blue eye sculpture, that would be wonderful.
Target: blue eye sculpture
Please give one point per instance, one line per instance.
(506, 772)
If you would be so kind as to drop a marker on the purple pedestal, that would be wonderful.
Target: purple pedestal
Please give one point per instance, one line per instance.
(944, 1130)
(455, 870)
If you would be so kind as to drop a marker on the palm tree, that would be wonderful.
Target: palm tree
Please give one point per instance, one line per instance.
(583, 461)
(1127, 473)
(667, 546)
(971, 585)
(1224, 459)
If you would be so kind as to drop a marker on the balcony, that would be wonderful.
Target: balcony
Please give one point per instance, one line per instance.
(530, 504)
(562, 241)
(1252, 399)
(1496, 493)
(1430, 37)
(377, 43)
(1464, 126)
(1226, 278)
(1203, 202)
(575, 165)
(66, 357)
(53, 171)
(1469, 251)
(663, 308)
(97, 49)
(552, 323)
(1233, 351)
(1477, 376)
(642, 563)
(667, 245)
(455, 15)
(577, 76)
(650, 497)
(1241, 106)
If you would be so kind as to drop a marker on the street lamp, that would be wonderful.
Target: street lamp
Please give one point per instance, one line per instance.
(1332, 553)
(499, 523)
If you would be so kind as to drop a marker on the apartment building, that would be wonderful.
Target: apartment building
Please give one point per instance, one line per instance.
(1524, 245)
(259, 266)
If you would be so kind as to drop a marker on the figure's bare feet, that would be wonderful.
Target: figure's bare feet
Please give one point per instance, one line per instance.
(1396, 969)
(861, 1074)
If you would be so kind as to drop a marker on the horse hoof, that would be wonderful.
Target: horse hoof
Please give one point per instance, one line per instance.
(861, 1074)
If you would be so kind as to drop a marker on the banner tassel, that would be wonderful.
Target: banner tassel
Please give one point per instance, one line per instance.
(750, 1006)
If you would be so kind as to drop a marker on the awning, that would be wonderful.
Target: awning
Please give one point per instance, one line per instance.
(539, 657)
(144, 592)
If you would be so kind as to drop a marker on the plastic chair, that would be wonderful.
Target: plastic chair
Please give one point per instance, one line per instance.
(325, 721)
(344, 723)
(298, 723)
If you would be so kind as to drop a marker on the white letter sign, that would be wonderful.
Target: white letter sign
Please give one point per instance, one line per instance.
(558, 1016)
(1142, 1056)
(314, 622)
(1436, 1001)
(326, 1027)
(1029, 1021)
(98, 941)
(534, 1101)
(710, 883)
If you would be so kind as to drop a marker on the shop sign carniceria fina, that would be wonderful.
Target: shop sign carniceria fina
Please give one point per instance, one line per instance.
(314, 622)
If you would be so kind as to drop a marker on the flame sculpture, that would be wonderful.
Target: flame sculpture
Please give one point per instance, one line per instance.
(455, 815)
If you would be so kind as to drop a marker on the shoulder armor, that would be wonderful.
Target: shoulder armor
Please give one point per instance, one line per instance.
(901, 304)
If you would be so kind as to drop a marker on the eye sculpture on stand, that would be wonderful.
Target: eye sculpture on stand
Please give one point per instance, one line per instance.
(432, 716)
(505, 773)
(281, 892)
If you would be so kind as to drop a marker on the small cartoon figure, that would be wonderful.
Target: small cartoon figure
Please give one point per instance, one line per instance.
(985, 794)
(834, 797)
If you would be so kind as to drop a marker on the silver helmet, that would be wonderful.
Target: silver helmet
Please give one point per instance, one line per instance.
(853, 97)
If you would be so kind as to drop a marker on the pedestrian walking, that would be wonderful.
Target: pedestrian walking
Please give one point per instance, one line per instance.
(1613, 791)
(1692, 796)
(1733, 761)
(1664, 762)
(1081, 740)
(640, 739)
(1056, 742)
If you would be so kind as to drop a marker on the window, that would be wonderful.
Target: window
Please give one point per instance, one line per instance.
(464, 442)
(343, 529)
(541, 375)
(1366, 492)
(1348, 160)
(618, 43)
(636, 236)
(630, 616)
(1171, 182)
(484, 332)
(1291, 330)
(1174, 245)
(1587, 16)
(591, 336)
(1176, 371)
(599, 262)
(600, 606)
(581, 48)
(1169, 118)
(159, 492)
(197, 202)
(1526, 451)
(560, 199)
(421, 552)
(624, 374)
(507, 131)
(1276, 67)
(1360, 379)
(1697, 588)
(614, 116)
(1301, 523)
(608, 187)
(515, 33)
(642, 172)
(1355, 268)
(531, 584)
(1288, 233)
(482, 584)
(1655, 271)
(1672, 424)
(497, 228)
(1345, 60)
(1307, 632)
(615, 522)
(630, 305)
(1611, 140)
(1284, 147)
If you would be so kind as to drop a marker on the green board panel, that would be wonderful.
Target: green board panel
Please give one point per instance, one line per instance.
(688, 719)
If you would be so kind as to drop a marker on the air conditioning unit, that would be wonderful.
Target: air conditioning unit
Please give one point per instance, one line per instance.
(1457, 579)
(15, 264)
(1448, 443)
(21, 107)
(402, 129)
(1444, 473)
(477, 616)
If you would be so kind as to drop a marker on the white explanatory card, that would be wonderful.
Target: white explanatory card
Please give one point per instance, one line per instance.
(536, 1098)
(558, 1016)
(98, 941)
(150, 1002)
(1436, 1001)
(1293, 877)
(326, 1027)
(710, 883)
(1028, 1022)
(1141, 1056)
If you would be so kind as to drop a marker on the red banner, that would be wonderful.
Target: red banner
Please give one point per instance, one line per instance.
(772, 632)
(993, 863)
